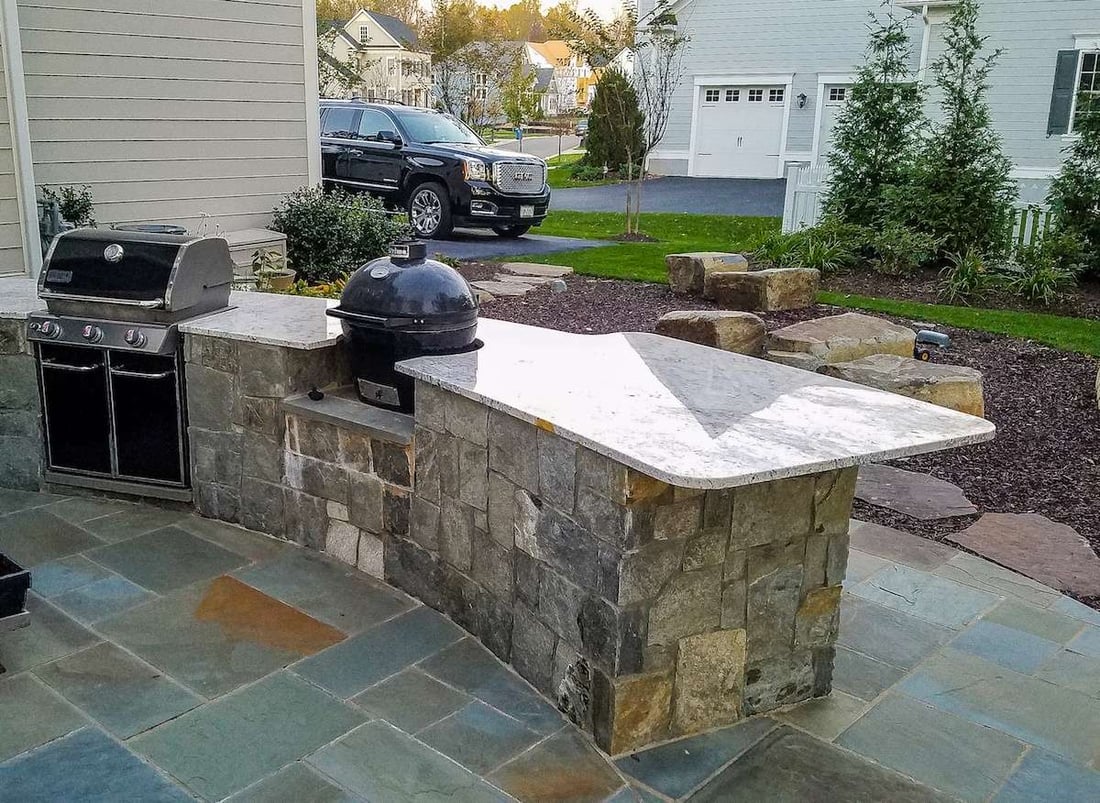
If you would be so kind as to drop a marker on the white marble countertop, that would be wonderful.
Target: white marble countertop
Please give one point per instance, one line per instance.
(690, 415)
(19, 297)
(271, 319)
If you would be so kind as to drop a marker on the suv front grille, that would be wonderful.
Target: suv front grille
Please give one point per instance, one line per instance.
(519, 178)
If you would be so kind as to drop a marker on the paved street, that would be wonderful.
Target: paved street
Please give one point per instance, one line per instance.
(700, 196)
(544, 147)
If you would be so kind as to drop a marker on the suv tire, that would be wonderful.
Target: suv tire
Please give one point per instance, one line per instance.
(511, 232)
(429, 210)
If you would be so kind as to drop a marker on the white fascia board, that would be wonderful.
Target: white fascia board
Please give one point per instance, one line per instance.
(714, 79)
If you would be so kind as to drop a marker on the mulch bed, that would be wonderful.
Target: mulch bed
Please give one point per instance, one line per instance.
(1045, 458)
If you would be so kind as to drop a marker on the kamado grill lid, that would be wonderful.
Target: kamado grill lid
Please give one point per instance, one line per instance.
(405, 291)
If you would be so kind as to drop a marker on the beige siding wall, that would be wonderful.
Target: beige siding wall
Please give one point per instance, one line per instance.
(168, 108)
(11, 238)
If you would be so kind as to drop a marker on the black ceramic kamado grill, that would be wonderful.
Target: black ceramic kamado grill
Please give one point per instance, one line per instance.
(108, 353)
(399, 307)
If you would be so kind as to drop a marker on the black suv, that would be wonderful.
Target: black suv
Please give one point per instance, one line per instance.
(433, 166)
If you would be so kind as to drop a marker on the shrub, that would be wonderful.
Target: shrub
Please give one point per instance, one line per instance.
(74, 203)
(586, 172)
(1035, 275)
(332, 233)
(900, 251)
(964, 278)
(829, 247)
(1075, 191)
(614, 124)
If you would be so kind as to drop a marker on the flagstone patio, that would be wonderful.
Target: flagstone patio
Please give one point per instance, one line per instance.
(171, 657)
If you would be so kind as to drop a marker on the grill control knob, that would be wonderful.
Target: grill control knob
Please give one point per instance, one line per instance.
(91, 333)
(135, 338)
(49, 329)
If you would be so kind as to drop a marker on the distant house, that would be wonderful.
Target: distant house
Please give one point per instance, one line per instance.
(385, 53)
(568, 86)
(764, 82)
(179, 114)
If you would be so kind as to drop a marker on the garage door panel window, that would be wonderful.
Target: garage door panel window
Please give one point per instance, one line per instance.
(712, 96)
(733, 95)
(776, 95)
(838, 94)
(756, 95)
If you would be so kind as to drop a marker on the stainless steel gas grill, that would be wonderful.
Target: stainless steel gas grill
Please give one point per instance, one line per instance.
(109, 358)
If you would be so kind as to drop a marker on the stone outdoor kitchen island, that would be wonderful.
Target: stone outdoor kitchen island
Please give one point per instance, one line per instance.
(653, 533)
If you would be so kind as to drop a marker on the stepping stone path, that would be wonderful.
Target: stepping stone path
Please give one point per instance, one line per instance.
(740, 332)
(1034, 545)
(952, 386)
(838, 338)
(687, 272)
(520, 278)
(920, 496)
(764, 290)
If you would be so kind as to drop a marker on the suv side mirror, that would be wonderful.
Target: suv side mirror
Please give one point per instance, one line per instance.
(391, 137)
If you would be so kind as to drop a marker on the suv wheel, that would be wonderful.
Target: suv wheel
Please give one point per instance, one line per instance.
(430, 211)
(511, 232)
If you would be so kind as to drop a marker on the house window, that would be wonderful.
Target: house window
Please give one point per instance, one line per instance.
(1088, 84)
(733, 95)
(838, 94)
(775, 95)
(712, 96)
(364, 33)
(756, 95)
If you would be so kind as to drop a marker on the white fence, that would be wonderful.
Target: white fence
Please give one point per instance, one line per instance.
(806, 187)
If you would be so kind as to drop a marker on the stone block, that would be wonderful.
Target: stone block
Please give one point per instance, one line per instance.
(493, 623)
(263, 370)
(833, 493)
(337, 511)
(316, 477)
(573, 680)
(837, 559)
(818, 618)
(473, 475)
(211, 397)
(430, 406)
(710, 673)
(728, 330)
(794, 359)
(525, 518)
(371, 555)
(841, 338)
(951, 386)
(456, 533)
(216, 456)
(450, 478)
(414, 570)
(687, 272)
(609, 560)
(499, 519)
(392, 462)
(219, 353)
(533, 649)
(262, 458)
(630, 712)
(735, 565)
(306, 519)
(706, 549)
(612, 638)
(764, 290)
(21, 463)
(536, 269)
(604, 518)
(259, 415)
(645, 571)
(365, 492)
(19, 388)
(396, 504)
(20, 424)
(424, 523)
(355, 450)
(492, 566)
(216, 501)
(262, 506)
(772, 511)
(513, 450)
(342, 542)
(774, 592)
(557, 462)
(782, 680)
(560, 605)
(13, 337)
(566, 546)
(734, 601)
(426, 463)
(718, 509)
(527, 579)
(317, 439)
(678, 520)
(466, 419)
(690, 603)
(815, 562)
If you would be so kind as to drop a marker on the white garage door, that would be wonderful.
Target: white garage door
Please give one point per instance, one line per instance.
(738, 131)
(833, 100)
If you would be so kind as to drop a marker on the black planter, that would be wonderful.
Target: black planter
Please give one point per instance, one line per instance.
(14, 582)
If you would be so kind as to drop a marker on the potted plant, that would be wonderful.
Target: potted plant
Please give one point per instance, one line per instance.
(73, 202)
(271, 270)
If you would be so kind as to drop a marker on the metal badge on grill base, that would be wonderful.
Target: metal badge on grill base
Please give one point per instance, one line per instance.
(381, 394)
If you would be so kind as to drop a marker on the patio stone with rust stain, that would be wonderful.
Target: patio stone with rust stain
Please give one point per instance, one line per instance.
(564, 767)
(921, 496)
(1034, 545)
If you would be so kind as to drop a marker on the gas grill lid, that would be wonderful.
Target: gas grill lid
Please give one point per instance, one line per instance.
(156, 271)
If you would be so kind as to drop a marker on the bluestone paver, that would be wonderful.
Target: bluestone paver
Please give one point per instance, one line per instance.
(563, 767)
(861, 565)
(131, 522)
(1087, 643)
(167, 559)
(12, 500)
(825, 717)
(926, 596)
(32, 715)
(297, 782)
(50, 634)
(1045, 776)
(101, 599)
(1073, 671)
(479, 737)
(1077, 610)
(985, 576)
(1047, 624)
(79, 509)
(65, 574)
(1006, 646)
(411, 700)
(862, 676)
(36, 536)
(888, 635)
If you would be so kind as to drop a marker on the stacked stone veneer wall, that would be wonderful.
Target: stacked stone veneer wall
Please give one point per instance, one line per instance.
(22, 447)
(644, 610)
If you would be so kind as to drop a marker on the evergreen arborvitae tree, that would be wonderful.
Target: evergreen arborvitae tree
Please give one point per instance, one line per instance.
(873, 143)
(614, 123)
(1075, 191)
(962, 187)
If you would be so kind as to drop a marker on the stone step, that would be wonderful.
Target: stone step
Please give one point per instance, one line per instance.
(740, 332)
(920, 496)
(687, 272)
(536, 269)
(953, 386)
(764, 290)
(842, 338)
(496, 288)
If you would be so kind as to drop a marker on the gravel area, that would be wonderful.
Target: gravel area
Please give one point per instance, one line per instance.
(1045, 458)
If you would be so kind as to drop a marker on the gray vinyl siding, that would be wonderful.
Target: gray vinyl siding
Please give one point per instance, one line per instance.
(168, 110)
(11, 237)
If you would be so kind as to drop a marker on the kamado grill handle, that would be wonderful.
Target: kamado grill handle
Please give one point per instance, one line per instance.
(376, 320)
(140, 374)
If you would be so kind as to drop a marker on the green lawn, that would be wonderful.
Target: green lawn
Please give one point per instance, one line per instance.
(560, 174)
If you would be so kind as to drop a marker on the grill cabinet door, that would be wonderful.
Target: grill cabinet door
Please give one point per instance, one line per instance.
(145, 402)
(74, 395)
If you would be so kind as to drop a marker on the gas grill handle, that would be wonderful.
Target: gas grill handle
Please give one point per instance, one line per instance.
(155, 304)
(64, 366)
(140, 374)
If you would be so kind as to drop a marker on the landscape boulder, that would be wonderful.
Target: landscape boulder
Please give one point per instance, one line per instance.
(740, 332)
(841, 338)
(953, 386)
(687, 272)
(764, 290)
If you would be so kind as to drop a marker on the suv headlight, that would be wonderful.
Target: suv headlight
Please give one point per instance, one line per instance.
(475, 170)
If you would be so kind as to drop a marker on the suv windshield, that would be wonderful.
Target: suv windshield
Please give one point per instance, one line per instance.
(427, 127)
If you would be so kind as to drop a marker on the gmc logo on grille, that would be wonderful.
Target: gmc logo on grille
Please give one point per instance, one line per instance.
(523, 175)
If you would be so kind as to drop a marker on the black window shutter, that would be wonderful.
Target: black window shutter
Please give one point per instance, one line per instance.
(1061, 99)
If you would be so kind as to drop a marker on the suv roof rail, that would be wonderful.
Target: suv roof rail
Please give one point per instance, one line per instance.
(364, 100)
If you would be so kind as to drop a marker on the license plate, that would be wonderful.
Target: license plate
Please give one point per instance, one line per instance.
(527, 211)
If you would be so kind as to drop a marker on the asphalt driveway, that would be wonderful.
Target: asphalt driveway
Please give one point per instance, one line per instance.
(470, 244)
(700, 196)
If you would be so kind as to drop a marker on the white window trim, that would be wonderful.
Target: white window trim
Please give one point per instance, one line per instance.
(1083, 45)
(824, 79)
(741, 79)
